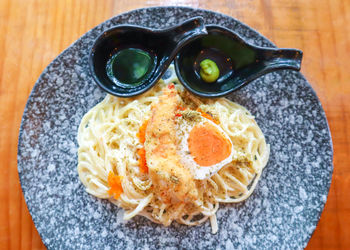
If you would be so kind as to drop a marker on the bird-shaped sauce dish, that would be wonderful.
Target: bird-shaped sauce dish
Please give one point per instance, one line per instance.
(221, 62)
(127, 60)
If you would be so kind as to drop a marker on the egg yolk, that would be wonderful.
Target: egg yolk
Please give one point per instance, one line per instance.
(207, 145)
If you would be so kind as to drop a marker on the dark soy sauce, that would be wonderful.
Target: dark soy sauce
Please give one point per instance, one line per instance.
(130, 67)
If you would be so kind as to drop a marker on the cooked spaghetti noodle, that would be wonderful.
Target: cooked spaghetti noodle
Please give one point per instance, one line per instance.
(109, 146)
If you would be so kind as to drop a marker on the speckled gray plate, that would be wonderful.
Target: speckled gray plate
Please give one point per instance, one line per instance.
(282, 212)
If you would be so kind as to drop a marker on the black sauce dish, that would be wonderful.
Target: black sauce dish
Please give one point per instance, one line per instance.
(239, 62)
(155, 47)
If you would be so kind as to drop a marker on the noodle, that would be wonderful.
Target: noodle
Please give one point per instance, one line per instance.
(108, 142)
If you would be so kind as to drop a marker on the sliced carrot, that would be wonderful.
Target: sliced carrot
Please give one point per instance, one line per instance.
(142, 160)
(115, 184)
(141, 152)
(142, 132)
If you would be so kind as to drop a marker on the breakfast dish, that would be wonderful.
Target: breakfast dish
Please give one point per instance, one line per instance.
(170, 156)
(282, 212)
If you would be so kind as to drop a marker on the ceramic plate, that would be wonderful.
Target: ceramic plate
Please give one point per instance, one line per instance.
(282, 212)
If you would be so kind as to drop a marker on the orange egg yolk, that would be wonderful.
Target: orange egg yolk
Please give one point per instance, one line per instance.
(207, 145)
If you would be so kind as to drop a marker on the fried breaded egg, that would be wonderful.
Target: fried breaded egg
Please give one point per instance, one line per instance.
(204, 147)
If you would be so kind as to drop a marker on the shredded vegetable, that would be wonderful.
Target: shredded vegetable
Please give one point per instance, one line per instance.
(115, 184)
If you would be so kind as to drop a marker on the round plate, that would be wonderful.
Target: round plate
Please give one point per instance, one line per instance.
(282, 212)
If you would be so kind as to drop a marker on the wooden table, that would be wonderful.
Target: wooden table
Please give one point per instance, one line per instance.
(34, 32)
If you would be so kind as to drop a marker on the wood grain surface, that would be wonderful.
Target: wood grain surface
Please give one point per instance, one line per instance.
(34, 32)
